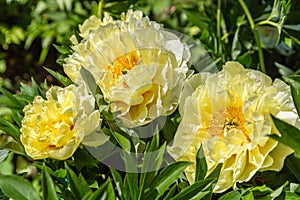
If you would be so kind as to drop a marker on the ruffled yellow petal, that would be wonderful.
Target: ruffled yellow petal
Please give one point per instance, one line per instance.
(55, 127)
(229, 114)
(139, 66)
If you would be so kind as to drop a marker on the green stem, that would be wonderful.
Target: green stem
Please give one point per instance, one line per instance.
(256, 37)
(100, 6)
(268, 23)
(219, 27)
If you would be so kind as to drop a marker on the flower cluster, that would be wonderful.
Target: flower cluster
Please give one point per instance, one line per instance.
(143, 72)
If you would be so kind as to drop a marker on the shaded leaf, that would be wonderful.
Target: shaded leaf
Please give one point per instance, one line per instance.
(201, 166)
(48, 187)
(232, 195)
(14, 101)
(196, 191)
(14, 147)
(118, 181)
(294, 82)
(10, 129)
(19, 188)
(290, 135)
(89, 80)
(105, 191)
(78, 185)
(293, 164)
(215, 174)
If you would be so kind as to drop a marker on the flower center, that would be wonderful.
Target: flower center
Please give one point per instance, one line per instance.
(234, 118)
(122, 65)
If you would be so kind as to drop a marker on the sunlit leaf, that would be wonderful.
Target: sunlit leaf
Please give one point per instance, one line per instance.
(64, 80)
(166, 178)
(3, 154)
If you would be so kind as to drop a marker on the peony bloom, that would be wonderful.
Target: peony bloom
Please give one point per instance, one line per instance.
(56, 126)
(139, 66)
(229, 114)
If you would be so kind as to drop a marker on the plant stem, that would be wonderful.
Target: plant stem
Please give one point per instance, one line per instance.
(100, 6)
(256, 37)
(219, 27)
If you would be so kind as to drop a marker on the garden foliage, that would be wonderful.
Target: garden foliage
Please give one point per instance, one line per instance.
(91, 126)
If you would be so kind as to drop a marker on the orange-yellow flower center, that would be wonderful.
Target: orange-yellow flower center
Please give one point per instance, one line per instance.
(123, 64)
(234, 119)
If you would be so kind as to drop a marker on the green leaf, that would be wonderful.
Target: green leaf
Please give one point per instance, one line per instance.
(10, 129)
(236, 45)
(294, 82)
(166, 178)
(118, 181)
(291, 196)
(110, 191)
(153, 158)
(290, 135)
(82, 158)
(62, 49)
(48, 187)
(279, 191)
(131, 185)
(17, 188)
(245, 59)
(17, 104)
(294, 187)
(283, 70)
(215, 174)
(3, 154)
(258, 191)
(152, 163)
(196, 191)
(105, 191)
(3, 196)
(122, 140)
(201, 166)
(64, 80)
(232, 195)
(171, 193)
(89, 80)
(197, 18)
(78, 185)
(17, 117)
(14, 147)
(293, 164)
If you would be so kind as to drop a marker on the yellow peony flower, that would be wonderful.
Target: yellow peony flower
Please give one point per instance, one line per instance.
(139, 66)
(229, 114)
(56, 126)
